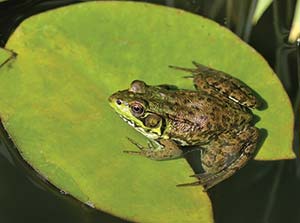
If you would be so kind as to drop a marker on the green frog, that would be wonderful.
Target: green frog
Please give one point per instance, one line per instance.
(215, 119)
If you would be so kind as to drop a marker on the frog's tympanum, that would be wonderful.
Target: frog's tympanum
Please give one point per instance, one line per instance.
(215, 118)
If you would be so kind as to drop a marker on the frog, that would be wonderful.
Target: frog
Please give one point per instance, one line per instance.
(216, 118)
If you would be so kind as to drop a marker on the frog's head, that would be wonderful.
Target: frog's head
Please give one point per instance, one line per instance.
(133, 107)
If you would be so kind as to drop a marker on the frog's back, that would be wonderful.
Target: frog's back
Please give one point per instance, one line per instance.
(196, 116)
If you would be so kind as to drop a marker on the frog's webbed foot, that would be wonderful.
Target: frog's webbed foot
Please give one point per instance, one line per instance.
(194, 71)
(207, 180)
(220, 84)
(164, 151)
(142, 148)
(191, 70)
(206, 184)
(203, 179)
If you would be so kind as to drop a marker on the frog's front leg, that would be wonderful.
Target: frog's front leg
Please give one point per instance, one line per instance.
(162, 150)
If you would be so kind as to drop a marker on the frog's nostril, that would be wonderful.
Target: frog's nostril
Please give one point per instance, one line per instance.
(118, 101)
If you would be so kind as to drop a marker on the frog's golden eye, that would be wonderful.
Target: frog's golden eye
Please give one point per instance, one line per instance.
(152, 120)
(137, 109)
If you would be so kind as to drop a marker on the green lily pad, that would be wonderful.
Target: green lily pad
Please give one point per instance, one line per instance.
(53, 101)
(5, 56)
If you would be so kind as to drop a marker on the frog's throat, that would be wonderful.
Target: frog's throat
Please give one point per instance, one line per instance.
(149, 133)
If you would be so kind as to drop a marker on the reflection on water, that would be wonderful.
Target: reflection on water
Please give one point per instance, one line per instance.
(268, 189)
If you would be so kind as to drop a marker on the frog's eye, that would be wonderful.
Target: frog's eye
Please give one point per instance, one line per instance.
(137, 87)
(119, 101)
(137, 109)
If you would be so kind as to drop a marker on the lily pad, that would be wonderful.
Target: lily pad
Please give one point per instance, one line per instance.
(5, 56)
(53, 101)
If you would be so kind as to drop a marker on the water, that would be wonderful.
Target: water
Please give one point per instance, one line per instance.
(269, 189)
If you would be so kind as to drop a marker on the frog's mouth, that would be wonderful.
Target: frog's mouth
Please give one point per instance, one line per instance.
(129, 122)
(142, 129)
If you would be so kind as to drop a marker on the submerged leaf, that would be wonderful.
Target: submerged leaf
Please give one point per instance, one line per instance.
(54, 101)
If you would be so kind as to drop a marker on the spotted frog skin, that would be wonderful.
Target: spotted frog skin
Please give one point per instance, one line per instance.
(215, 119)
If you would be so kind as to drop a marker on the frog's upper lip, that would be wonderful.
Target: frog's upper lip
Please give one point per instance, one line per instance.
(130, 122)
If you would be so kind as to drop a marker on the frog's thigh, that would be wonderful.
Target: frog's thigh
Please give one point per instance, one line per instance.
(222, 151)
(233, 150)
(169, 150)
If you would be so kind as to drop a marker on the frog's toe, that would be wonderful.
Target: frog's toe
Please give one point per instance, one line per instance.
(205, 186)
(132, 152)
(201, 175)
(197, 183)
(136, 144)
(200, 67)
(150, 144)
(189, 76)
(191, 70)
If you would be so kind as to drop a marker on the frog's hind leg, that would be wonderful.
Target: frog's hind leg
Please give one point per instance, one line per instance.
(220, 84)
(227, 155)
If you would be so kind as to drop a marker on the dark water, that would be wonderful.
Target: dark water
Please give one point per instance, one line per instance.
(270, 190)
